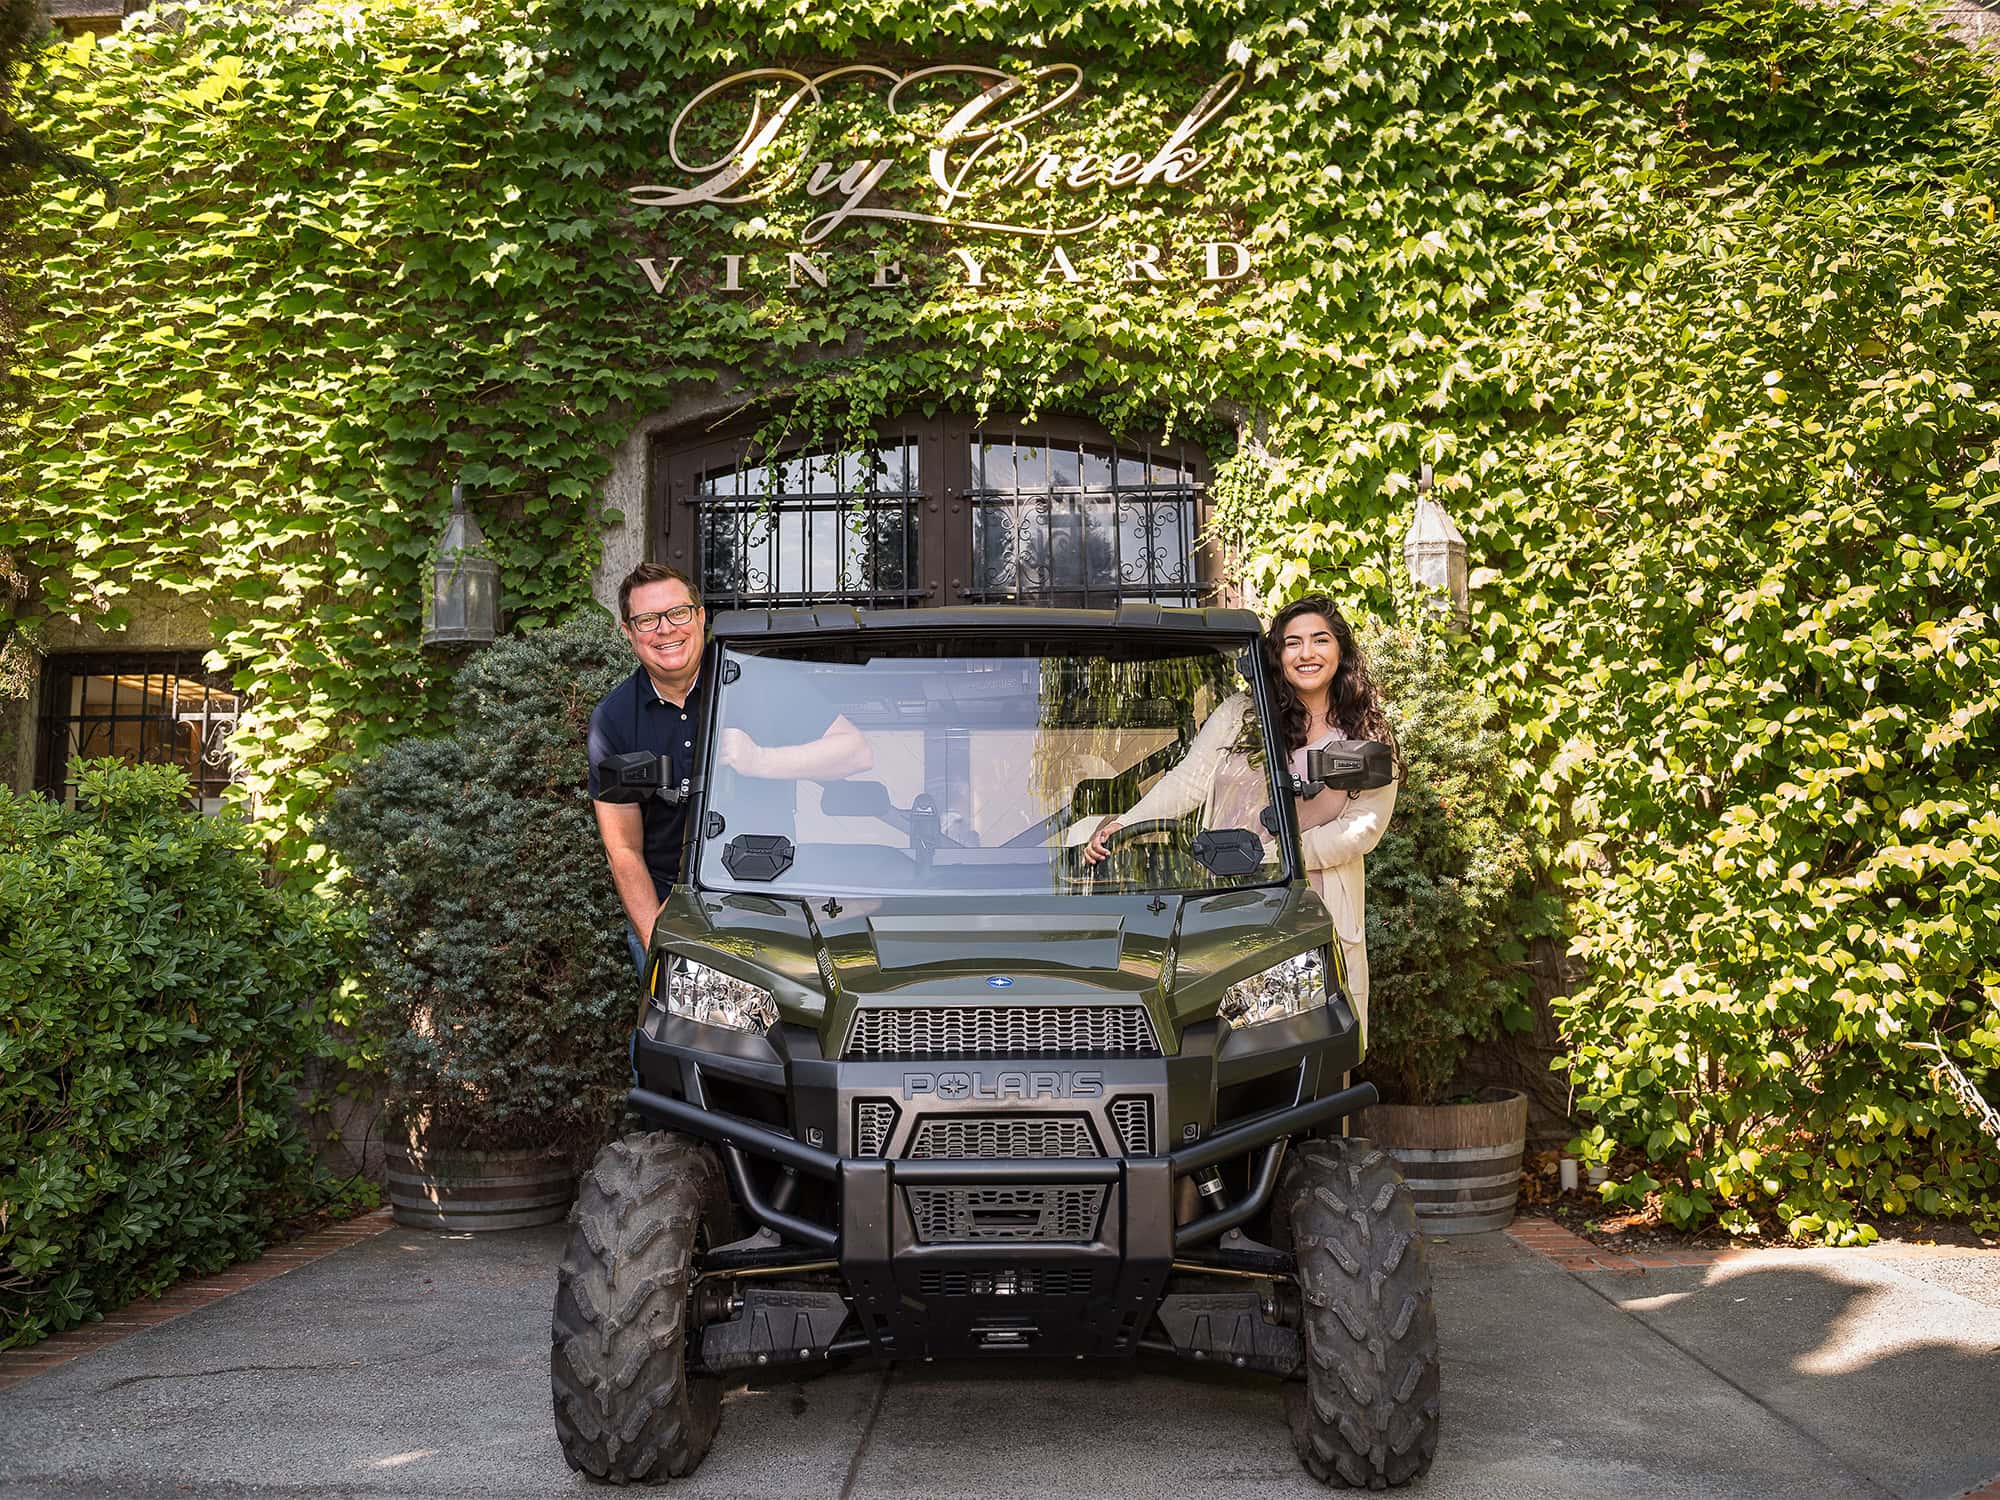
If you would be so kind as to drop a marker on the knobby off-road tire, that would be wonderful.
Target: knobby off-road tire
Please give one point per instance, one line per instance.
(1368, 1415)
(626, 1410)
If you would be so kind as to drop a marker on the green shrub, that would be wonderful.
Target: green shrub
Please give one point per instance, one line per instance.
(157, 998)
(1726, 454)
(495, 962)
(1447, 886)
(1749, 590)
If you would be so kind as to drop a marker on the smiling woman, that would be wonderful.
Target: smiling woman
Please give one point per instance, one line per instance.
(1326, 695)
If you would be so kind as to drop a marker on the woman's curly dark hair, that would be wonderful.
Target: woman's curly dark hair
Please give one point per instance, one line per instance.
(1352, 702)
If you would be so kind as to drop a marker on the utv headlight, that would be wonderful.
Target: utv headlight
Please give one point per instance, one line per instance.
(1285, 989)
(704, 994)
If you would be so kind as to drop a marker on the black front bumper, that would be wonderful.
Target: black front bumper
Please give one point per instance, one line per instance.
(919, 1289)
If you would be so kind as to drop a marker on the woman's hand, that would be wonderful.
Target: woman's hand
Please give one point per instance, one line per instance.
(1099, 849)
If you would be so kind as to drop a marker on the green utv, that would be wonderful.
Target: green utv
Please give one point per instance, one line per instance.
(922, 1080)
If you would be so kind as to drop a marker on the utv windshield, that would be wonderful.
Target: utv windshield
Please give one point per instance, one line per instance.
(970, 766)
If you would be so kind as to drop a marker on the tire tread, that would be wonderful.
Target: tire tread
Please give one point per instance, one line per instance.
(1368, 1417)
(626, 1410)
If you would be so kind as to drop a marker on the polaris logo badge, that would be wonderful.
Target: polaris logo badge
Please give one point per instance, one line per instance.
(1008, 1085)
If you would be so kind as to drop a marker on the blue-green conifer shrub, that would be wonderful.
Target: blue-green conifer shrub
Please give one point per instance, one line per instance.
(494, 963)
(1449, 887)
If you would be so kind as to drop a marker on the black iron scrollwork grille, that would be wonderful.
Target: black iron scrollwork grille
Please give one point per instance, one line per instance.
(1080, 523)
(812, 527)
(143, 707)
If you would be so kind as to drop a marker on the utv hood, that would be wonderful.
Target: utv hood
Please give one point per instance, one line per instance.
(823, 959)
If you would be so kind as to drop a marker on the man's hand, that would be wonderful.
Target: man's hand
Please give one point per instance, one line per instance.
(1099, 848)
(742, 754)
(841, 751)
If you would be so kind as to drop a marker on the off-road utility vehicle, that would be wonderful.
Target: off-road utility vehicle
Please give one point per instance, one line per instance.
(923, 1080)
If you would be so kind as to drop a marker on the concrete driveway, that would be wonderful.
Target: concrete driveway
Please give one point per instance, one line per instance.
(415, 1364)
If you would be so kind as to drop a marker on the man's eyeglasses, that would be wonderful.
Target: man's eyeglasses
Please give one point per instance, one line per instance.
(651, 620)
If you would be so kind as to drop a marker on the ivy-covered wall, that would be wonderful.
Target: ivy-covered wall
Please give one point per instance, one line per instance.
(1693, 307)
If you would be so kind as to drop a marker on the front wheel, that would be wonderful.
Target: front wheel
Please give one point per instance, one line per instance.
(1368, 1416)
(627, 1410)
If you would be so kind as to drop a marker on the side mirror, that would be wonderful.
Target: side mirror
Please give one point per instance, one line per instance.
(855, 799)
(635, 776)
(1356, 766)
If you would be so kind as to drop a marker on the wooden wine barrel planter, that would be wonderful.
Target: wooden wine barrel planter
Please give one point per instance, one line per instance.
(479, 1189)
(1462, 1161)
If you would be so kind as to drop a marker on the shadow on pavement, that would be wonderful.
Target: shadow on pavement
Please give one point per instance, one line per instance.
(1896, 1377)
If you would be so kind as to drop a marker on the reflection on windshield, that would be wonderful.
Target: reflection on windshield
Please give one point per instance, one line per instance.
(988, 773)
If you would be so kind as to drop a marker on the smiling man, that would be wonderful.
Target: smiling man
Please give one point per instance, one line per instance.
(658, 709)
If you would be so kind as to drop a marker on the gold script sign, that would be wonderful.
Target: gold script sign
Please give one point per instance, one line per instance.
(984, 145)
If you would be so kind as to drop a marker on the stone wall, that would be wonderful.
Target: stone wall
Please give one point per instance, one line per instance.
(624, 540)
(342, 1115)
(1977, 24)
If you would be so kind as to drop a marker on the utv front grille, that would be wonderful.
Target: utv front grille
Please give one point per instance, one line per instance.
(1003, 1031)
(874, 1122)
(991, 1137)
(1009, 1281)
(1132, 1118)
(956, 1215)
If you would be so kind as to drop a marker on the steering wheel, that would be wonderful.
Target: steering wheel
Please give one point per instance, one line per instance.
(1119, 837)
(1126, 832)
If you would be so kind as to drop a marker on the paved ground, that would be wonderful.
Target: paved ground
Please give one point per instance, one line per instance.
(416, 1364)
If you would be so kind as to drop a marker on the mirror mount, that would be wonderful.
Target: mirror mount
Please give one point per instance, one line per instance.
(921, 820)
(856, 799)
(1350, 766)
(637, 776)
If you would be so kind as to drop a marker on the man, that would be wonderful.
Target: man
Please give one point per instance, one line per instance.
(658, 709)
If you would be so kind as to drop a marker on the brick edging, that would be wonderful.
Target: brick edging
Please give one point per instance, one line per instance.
(1572, 1252)
(188, 1295)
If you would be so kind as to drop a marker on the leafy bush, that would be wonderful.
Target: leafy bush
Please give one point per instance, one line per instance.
(1749, 590)
(495, 962)
(159, 1000)
(1727, 459)
(1448, 907)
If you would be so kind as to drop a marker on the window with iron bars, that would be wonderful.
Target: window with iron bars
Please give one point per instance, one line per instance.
(143, 707)
(1065, 522)
(942, 511)
(810, 527)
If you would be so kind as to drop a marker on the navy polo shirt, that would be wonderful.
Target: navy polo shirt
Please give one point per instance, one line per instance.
(632, 716)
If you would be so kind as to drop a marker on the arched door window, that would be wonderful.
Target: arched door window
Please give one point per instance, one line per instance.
(941, 512)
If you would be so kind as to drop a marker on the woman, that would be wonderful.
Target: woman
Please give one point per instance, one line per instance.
(1324, 694)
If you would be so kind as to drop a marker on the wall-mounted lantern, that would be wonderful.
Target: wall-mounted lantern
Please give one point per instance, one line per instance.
(463, 607)
(1434, 552)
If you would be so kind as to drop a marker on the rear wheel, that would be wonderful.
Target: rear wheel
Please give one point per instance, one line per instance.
(627, 1410)
(1368, 1416)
